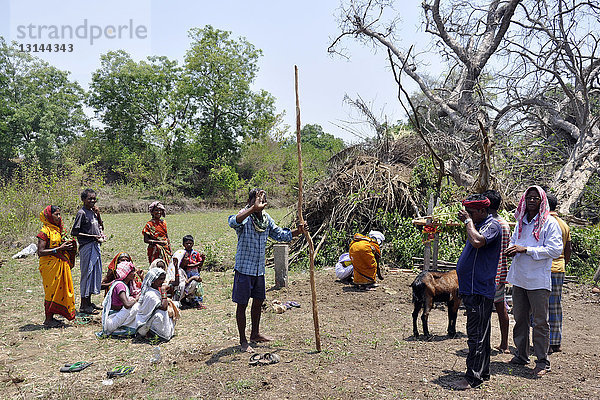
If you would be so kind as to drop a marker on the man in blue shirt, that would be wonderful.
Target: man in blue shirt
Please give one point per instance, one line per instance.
(476, 270)
(253, 226)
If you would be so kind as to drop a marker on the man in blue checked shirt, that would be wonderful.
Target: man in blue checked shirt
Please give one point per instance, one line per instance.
(253, 226)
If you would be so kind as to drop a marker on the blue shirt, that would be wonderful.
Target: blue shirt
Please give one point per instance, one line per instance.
(250, 255)
(476, 268)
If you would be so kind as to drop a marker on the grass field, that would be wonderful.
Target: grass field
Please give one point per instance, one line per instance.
(211, 233)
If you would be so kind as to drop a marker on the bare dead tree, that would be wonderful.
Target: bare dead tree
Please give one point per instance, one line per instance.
(553, 86)
(467, 35)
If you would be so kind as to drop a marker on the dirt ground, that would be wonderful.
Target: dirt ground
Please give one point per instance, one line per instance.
(368, 349)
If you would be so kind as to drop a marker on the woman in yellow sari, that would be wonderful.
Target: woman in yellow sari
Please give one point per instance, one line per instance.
(57, 257)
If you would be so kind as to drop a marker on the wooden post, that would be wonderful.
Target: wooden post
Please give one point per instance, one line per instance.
(311, 246)
(436, 242)
(427, 250)
(281, 259)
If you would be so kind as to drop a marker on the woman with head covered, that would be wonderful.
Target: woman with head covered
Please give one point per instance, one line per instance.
(155, 234)
(156, 314)
(119, 307)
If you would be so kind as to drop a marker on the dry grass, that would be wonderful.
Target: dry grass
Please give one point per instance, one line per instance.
(368, 351)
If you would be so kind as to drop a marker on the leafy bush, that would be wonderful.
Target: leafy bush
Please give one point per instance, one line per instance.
(586, 252)
(403, 242)
(31, 190)
(225, 181)
(423, 181)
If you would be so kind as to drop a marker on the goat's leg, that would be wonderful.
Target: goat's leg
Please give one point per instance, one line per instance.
(452, 313)
(426, 309)
(415, 315)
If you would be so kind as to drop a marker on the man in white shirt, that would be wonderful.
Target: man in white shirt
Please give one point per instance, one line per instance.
(536, 241)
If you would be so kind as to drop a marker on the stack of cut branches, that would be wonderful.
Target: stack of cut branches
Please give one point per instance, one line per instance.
(352, 194)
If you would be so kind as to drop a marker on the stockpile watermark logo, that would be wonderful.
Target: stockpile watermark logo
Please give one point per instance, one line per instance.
(75, 26)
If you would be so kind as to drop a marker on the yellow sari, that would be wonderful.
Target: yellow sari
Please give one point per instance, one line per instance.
(59, 295)
(364, 253)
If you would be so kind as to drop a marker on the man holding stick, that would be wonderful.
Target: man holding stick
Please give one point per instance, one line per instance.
(253, 226)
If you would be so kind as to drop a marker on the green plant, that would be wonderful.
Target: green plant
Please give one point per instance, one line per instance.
(585, 256)
(224, 180)
(31, 189)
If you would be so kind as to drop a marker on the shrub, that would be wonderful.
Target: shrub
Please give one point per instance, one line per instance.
(585, 256)
(32, 189)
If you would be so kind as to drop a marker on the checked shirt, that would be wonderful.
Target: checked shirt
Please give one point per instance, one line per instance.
(250, 255)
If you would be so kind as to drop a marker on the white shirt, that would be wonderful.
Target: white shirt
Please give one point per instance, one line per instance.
(531, 270)
(342, 271)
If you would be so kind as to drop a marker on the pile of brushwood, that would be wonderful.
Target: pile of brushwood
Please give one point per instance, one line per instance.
(363, 180)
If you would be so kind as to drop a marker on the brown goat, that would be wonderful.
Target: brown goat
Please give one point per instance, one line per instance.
(434, 286)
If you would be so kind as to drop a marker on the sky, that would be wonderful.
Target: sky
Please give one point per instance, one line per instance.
(289, 33)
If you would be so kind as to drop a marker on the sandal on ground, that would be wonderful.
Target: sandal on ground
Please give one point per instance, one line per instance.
(121, 370)
(539, 372)
(501, 350)
(255, 359)
(269, 358)
(76, 367)
(95, 306)
(461, 384)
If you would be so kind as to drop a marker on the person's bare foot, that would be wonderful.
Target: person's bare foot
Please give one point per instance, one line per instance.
(461, 384)
(245, 347)
(52, 323)
(260, 338)
(502, 350)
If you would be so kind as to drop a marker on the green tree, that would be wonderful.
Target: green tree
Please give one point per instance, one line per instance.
(313, 134)
(218, 73)
(41, 111)
(146, 116)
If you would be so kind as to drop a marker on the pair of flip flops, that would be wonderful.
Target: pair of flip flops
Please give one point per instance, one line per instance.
(75, 367)
(290, 304)
(121, 370)
(264, 359)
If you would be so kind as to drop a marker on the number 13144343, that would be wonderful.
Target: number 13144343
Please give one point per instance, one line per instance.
(46, 47)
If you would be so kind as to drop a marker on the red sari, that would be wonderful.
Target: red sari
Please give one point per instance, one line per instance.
(157, 230)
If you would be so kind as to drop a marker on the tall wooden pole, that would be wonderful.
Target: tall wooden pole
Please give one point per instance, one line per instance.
(311, 247)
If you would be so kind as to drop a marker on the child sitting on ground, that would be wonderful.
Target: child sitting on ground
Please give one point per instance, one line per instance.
(195, 261)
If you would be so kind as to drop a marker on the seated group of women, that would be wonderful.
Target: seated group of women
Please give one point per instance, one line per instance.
(135, 302)
(146, 304)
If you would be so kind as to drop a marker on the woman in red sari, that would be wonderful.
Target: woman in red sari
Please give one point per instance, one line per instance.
(155, 234)
(57, 257)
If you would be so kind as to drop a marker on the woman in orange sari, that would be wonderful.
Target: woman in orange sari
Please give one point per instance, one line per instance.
(57, 257)
(365, 254)
(155, 234)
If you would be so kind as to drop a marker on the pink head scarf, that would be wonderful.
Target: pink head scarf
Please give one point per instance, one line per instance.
(123, 269)
(542, 214)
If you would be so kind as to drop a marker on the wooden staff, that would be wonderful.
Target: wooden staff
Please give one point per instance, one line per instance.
(311, 247)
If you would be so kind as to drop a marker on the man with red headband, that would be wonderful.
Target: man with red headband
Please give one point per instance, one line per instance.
(536, 241)
(476, 270)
